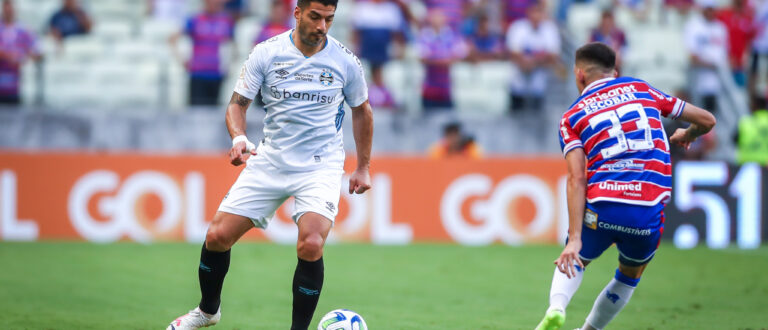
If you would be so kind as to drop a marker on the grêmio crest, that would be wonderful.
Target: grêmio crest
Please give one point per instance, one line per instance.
(326, 77)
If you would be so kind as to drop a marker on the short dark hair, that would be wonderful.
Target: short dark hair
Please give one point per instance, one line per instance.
(304, 3)
(597, 54)
(452, 128)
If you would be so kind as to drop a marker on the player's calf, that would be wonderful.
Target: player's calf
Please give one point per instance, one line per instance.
(613, 298)
(223, 232)
(308, 278)
(560, 294)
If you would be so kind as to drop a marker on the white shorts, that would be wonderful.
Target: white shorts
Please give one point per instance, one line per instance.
(261, 188)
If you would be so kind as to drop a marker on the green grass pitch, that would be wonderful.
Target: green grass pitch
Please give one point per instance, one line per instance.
(424, 286)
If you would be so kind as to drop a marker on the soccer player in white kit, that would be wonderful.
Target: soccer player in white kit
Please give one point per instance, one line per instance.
(304, 77)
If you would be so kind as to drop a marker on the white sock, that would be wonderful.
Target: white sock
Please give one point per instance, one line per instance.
(563, 289)
(611, 300)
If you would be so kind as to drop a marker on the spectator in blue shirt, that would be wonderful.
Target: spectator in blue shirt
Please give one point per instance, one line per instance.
(70, 20)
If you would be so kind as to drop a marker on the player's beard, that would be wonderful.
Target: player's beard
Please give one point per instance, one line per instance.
(310, 38)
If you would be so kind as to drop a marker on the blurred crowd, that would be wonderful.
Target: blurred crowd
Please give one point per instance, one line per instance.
(530, 34)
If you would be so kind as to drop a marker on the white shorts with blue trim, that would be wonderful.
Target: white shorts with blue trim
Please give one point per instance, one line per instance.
(262, 188)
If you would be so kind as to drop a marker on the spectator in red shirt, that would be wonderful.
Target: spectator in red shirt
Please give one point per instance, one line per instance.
(514, 10)
(453, 11)
(209, 30)
(738, 20)
(439, 47)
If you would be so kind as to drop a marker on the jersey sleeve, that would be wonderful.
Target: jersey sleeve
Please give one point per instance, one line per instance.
(252, 73)
(670, 106)
(355, 89)
(569, 140)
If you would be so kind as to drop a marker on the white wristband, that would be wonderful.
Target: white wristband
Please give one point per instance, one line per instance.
(242, 138)
(239, 138)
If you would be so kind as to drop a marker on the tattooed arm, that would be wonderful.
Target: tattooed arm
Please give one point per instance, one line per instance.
(235, 118)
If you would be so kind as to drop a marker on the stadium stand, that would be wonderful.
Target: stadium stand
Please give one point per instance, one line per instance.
(125, 64)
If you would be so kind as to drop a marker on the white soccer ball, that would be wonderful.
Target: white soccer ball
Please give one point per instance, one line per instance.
(342, 319)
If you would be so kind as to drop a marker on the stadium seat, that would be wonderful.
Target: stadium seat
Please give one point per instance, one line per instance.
(404, 79)
(245, 33)
(34, 14)
(117, 9)
(581, 19)
(258, 8)
(83, 48)
(158, 31)
(651, 59)
(138, 50)
(30, 85)
(177, 87)
(113, 30)
(68, 84)
(127, 84)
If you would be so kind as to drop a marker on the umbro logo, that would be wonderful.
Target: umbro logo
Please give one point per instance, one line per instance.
(282, 73)
(330, 206)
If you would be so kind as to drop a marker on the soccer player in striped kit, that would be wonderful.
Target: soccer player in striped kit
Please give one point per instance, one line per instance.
(619, 179)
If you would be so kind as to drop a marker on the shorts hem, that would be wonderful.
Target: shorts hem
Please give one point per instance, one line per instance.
(297, 215)
(586, 259)
(634, 262)
(258, 222)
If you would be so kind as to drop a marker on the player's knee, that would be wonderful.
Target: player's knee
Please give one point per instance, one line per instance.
(217, 240)
(632, 271)
(310, 248)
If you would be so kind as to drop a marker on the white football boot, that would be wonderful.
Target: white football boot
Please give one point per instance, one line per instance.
(195, 319)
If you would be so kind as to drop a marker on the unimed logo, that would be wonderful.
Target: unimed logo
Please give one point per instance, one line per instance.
(620, 186)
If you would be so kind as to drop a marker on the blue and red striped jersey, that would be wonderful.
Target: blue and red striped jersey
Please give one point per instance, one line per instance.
(617, 121)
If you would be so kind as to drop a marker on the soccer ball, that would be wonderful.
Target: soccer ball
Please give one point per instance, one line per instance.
(342, 319)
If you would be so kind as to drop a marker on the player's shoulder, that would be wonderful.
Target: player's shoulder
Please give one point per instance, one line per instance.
(343, 53)
(270, 47)
(275, 42)
(570, 113)
(644, 86)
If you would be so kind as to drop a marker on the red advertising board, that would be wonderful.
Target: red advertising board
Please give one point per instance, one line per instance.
(110, 197)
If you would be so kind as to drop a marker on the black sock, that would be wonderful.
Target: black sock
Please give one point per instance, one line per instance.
(213, 267)
(307, 284)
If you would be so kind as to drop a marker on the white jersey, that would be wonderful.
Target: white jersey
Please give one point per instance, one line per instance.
(304, 100)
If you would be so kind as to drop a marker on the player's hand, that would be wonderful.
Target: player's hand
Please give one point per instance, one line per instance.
(570, 258)
(239, 153)
(681, 138)
(359, 181)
